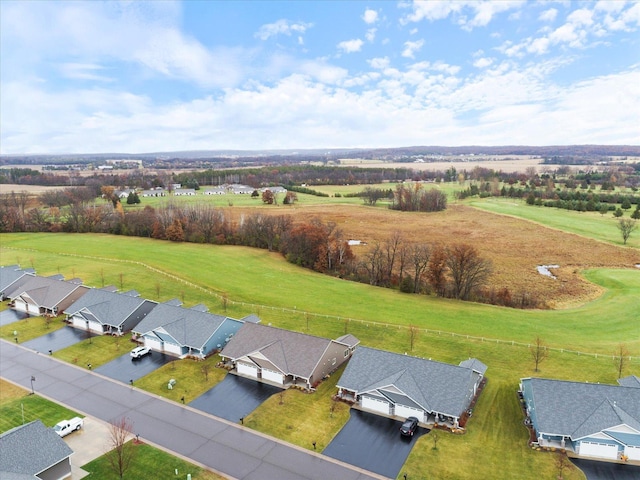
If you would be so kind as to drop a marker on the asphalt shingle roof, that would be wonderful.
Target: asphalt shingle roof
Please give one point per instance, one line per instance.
(9, 275)
(579, 409)
(435, 386)
(29, 449)
(188, 327)
(292, 352)
(45, 291)
(109, 308)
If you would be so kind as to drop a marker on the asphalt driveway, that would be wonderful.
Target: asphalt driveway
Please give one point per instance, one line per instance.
(373, 442)
(595, 470)
(124, 368)
(234, 397)
(57, 340)
(9, 316)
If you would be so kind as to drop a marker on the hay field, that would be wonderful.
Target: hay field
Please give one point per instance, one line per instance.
(515, 246)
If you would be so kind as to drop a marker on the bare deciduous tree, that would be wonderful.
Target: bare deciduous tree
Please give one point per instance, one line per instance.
(467, 269)
(538, 351)
(620, 358)
(121, 452)
(413, 334)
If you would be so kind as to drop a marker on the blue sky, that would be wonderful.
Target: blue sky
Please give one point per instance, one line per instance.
(85, 77)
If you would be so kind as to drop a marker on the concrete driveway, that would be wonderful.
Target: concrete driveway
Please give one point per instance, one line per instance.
(595, 470)
(9, 316)
(88, 443)
(234, 397)
(62, 338)
(373, 442)
(124, 368)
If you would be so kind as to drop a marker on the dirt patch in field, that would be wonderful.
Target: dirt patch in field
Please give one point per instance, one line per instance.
(516, 247)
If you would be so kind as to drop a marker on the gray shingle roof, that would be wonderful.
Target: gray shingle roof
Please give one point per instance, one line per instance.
(577, 409)
(45, 291)
(109, 308)
(9, 275)
(188, 327)
(29, 449)
(630, 381)
(348, 340)
(435, 386)
(291, 352)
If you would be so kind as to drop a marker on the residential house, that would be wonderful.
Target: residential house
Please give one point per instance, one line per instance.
(154, 192)
(592, 420)
(170, 328)
(396, 385)
(274, 190)
(10, 275)
(34, 451)
(37, 295)
(184, 191)
(123, 194)
(215, 191)
(107, 312)
(284, 357)
(238, 189)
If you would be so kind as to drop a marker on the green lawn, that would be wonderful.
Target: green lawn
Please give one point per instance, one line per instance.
(18, 406)
(586, 224)
(193, 378)
(95, 351)
(31, 327)
(148, 459)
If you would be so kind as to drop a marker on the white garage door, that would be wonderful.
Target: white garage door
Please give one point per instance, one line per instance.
(376, 405)
(95, 327)
(272, 376)
(402, 411)
(79, 322)
(593, 449)
(248, 370)
(22, 306)
(153, 344)
(632, 452)
(172, 348)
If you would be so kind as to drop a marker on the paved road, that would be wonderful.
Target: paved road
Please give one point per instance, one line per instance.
(225, 447)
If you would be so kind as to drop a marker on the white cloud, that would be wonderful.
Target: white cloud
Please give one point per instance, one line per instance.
(281, 27)
(483, 62)
(370, 16)
(548, 15)
(350, 46)
(370, 35)
(379, 63)
(84, 71)
(481, 12)
(410, 48)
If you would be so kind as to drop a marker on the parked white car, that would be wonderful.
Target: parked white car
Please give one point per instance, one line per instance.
(65, 427)
(140, 352)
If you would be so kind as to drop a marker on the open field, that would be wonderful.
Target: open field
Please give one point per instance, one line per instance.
(514, 246)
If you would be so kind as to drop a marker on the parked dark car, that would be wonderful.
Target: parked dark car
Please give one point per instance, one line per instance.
(409, 427)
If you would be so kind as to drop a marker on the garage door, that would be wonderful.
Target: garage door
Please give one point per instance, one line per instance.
(172, 348)
(593, 449)
(79, 322)
(376, 405)
(153, 344)
(402, 411)
(248, 370)
(632, 452)
(273, 376)
(21, 306)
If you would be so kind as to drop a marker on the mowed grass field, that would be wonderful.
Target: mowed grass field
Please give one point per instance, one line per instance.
(255, 281)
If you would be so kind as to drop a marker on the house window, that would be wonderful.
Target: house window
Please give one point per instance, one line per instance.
(346, 353)
(333, 362)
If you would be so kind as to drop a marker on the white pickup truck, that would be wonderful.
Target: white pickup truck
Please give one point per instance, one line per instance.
(65, 427)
